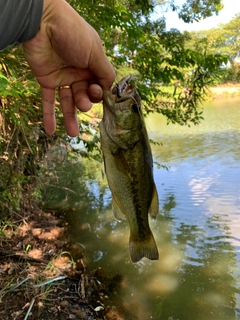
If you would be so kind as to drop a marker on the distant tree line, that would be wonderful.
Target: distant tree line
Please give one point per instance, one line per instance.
(223, 39)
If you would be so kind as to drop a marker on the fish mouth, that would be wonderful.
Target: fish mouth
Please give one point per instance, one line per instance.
(123, 96)
(124, 90)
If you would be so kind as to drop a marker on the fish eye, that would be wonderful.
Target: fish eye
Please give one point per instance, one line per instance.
(135, 107)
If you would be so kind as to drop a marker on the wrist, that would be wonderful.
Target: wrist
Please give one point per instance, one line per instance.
(48, 12)
(57, 14)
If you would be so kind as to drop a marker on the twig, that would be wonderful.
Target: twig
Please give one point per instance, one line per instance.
(17, 285)
(83, 286)
(22, 256)
(49, 281)
(29, 309)
(63, 188)
(36, 285)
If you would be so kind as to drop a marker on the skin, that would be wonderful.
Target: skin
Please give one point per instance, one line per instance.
(67, 51)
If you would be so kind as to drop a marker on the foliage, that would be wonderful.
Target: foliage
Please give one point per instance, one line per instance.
(228, 40)
(19, 113)
(195, 10)
(223, 40)
(232, 73)
(23, 142)
(141, 45)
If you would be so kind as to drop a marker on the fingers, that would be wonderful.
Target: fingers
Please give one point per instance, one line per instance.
(48, 105)
(69, 111)
(95, 93)
(80, 93)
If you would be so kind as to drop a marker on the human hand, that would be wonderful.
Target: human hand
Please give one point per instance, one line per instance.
(67, 51)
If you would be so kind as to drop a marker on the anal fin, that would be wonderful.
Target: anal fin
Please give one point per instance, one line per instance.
(154, 206)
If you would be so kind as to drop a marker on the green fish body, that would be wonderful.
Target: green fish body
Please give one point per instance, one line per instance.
(129, 166)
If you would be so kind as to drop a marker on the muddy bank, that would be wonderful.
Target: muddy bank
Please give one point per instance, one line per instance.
(43, 276)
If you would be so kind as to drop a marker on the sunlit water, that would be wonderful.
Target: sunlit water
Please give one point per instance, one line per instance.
(197, 230)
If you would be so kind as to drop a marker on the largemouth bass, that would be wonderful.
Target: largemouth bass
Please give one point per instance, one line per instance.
(129, 166)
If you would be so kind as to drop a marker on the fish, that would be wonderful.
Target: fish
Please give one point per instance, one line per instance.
(128, 166)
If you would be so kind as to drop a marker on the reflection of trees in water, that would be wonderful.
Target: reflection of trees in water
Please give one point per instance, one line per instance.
(205, 284)
(168, 204)
(207, 287)
(78, 190)
(71, 184)
(199, 146)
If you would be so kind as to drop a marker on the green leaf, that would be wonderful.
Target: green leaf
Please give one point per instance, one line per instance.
(3, 84)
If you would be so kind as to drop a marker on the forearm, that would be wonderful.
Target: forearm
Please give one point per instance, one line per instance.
(20, 20)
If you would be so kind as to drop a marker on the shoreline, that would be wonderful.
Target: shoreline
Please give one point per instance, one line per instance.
(225, 91)
(46, 276)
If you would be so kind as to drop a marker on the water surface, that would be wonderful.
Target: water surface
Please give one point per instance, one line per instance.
(197, 230)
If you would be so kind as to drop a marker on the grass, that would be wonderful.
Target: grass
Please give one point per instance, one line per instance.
(5, 227)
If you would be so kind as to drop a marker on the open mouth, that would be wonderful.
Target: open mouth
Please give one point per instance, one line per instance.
(123, 86)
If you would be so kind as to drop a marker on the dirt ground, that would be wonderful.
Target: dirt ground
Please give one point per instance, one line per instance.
(44, 277)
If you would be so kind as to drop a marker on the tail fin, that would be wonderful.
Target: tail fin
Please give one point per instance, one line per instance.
(143, 248)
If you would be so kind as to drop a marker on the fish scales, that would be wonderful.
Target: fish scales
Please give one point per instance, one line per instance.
(129, 167)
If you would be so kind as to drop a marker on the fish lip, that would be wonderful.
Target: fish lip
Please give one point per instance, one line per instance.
(112, 98)
(123, 88)
(127, 94)
(120, 87)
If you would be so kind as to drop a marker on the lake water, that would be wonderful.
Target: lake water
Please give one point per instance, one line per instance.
(197, 230)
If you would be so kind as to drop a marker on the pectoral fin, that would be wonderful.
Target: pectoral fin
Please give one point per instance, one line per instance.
(122, 164)
(117, 212)
(154, 206)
